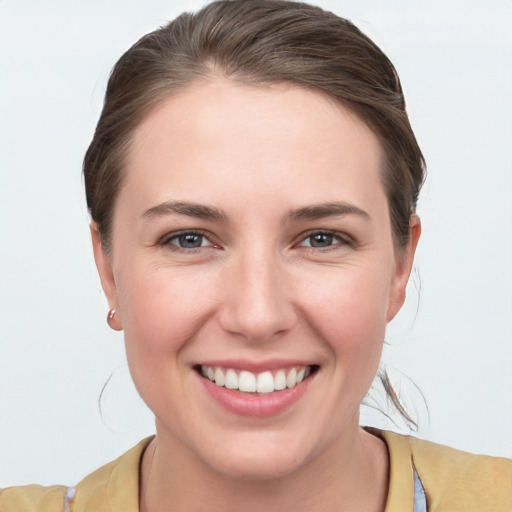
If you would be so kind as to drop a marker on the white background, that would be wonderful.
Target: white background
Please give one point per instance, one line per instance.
(454, 338)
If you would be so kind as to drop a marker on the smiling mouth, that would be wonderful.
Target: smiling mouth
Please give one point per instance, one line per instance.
(257, 383)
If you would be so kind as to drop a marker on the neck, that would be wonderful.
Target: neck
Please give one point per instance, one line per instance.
(351, 475)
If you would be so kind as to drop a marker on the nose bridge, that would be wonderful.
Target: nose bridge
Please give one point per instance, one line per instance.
(258, 305)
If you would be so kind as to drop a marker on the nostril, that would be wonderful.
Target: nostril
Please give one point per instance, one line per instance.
(257, 307)
(256, 324)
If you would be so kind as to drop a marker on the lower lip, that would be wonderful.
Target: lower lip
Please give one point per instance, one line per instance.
(256, 406)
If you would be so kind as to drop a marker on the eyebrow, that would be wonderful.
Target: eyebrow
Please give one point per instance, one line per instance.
(196, 210)
(201, 211)
(318, 211)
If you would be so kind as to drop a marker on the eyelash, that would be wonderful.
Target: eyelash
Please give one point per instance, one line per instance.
(340, 239)
(167, 240)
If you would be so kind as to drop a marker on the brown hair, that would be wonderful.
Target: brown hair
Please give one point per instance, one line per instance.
(256, 42)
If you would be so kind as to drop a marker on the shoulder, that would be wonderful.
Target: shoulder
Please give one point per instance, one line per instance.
(114, 486)
(458, 464)
(454, 479)
(33, 498)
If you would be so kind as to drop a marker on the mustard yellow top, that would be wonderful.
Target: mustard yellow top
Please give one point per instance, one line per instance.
(453, 481)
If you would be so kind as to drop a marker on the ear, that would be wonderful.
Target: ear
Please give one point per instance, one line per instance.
(108, 283)
(403, 269)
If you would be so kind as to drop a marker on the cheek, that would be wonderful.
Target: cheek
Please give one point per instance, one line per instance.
(349, 310)
(162, 309)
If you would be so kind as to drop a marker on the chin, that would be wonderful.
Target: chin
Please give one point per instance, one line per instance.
(258, 459)
(257, 467)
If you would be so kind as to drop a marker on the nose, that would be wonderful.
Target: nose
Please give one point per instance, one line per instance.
(257, 301)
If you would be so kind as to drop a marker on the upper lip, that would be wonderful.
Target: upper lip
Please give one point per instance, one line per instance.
(255, 366)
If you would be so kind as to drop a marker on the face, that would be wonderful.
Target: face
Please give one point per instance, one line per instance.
(253, 272)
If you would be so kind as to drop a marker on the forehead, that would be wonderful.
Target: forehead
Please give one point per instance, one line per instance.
(280, 140)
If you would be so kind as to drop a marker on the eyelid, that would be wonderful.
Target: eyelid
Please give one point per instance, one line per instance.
(165, 240)
(342, 238)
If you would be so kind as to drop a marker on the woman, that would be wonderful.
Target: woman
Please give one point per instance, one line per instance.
(252, 184)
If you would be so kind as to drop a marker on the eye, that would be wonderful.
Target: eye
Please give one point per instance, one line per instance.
(323, 240)
(320, 240)
(186, 240)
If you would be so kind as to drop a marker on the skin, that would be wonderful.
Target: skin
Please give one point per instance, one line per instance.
(256, 289)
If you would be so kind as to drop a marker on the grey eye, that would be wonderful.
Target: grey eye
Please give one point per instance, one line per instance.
(190, 240)
(321, 240)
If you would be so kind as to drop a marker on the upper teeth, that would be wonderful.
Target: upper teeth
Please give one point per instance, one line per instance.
(265, 382)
